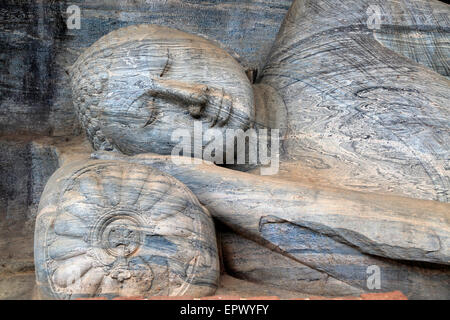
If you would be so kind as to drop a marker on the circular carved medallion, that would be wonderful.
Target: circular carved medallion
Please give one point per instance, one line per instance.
(109, 228)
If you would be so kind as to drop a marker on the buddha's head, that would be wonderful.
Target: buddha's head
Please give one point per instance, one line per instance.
(135, 86)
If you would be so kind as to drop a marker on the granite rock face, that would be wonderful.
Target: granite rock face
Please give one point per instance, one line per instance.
(25, 167)
(246, 259)
(418, 30)
(105, 229)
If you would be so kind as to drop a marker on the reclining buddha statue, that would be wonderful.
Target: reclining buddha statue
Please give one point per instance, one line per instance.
(364, 125)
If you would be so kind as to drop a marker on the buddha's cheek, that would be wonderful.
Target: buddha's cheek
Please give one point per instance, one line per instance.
(160, 135)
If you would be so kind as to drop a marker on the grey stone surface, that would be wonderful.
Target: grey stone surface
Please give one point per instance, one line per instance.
(352, 120)
(335, 231)
(346, 263)
(363, 112)
(136, 85)
(36, 47)
(106, 229)
(361, 116)
(248, 260)
(25, 167)
(26, 164)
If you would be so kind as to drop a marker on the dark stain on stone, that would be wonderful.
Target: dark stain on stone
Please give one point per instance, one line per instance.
(160, 243)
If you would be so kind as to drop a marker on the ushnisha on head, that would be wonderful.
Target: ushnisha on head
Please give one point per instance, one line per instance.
(136, 85)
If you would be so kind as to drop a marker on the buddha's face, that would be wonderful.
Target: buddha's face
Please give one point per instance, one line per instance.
(134, 87)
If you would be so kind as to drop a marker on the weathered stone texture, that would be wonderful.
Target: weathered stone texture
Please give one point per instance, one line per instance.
(361, 116)
(248, 260)
(340, 233)
(25, 167)
(36, 47)
(134, 86)
(105, 229)
(365, 149)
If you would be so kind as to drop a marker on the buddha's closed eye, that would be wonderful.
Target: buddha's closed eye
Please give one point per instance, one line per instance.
(201, 101)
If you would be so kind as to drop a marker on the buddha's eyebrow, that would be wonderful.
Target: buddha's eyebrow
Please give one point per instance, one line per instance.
(183, 92)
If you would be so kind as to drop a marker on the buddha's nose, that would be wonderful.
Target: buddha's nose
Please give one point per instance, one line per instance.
(200, 99)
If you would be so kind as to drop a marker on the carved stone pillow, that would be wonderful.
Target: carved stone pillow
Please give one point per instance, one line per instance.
(108, 228)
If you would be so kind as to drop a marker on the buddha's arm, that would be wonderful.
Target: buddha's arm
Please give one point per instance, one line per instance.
(392, 227)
